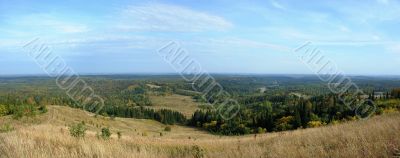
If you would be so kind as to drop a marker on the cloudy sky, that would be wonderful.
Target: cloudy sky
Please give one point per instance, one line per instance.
(361, 37)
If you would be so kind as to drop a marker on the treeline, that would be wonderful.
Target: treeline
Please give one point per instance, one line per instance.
(164, 115)
(280, 113)
(20, 105)
(19, 111)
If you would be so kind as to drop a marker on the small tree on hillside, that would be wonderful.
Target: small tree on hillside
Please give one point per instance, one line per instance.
(105, 133)
(78, 130)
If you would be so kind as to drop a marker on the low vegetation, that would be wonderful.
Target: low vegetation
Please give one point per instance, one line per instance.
(105, 133)
(167, 128)
(78, 130)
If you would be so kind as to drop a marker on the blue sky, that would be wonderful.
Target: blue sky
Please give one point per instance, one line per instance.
(361, 37)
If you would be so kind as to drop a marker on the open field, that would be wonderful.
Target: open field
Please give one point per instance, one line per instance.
(176, 102)
(47, 136)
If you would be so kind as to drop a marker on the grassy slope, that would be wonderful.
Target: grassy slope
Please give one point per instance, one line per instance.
(47, 136)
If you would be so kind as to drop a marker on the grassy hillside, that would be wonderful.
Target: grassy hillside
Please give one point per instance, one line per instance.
(48, 136)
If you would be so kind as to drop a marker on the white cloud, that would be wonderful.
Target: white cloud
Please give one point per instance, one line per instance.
(34, 23)
(277, 5)
(251, 43)
(63, 26)
(234, 42)
(161, 17)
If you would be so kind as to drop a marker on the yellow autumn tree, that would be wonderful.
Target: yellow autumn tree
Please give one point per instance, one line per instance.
(315, 124)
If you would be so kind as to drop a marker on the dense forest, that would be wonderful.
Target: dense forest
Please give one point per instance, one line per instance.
(268, 103)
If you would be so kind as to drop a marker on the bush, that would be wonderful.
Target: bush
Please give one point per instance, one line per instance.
(313, 124)
(23, 110)
(261, 130)
(198, 152)
(78, 130)
(105, 133)
(3, 110)
(168, 129)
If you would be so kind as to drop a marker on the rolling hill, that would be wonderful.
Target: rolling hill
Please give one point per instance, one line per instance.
(47, 135)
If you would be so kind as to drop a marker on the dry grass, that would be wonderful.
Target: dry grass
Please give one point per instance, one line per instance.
(176, 102)
(376, 137)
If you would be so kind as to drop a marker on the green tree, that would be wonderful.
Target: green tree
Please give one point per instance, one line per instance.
(105, 133)
(78, 130)
(20, 111)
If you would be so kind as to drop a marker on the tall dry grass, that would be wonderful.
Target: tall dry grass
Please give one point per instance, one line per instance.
(376, 137)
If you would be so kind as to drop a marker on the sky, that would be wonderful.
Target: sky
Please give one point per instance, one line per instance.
(224, 36)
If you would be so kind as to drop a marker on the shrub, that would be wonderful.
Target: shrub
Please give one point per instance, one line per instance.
(261, 130)
(3, 110)
(168, 128)
(335, 122)
(198, 152)
(389, 110)
(105, 133)
(23, 110)
(78, 130)
(315, 124)
(211, 125)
